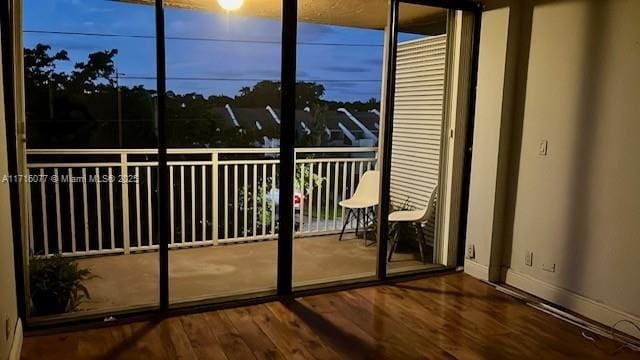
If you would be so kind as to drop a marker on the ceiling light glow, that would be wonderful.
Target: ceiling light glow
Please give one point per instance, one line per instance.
(230, 5)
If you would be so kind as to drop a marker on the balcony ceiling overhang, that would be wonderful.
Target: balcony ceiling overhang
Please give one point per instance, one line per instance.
(370, 14)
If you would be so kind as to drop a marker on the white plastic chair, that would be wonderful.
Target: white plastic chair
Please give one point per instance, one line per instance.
(417, 217)
(365, 196)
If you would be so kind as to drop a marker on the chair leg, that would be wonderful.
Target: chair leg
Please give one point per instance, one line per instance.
(394, 244)
(344, 226)
(365, 221)
(357, 220)
(423, 236)
(419, 239)
(424, 242)
(370, 219)
(372, 213)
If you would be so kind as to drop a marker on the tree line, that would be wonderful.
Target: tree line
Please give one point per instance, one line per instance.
(88, 107)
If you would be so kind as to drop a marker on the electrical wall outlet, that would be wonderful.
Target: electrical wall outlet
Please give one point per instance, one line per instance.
(471, 251)
(528, 258)
(7, 327)
(549, 267)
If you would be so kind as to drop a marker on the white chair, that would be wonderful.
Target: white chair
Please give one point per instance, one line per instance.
(417, 217)
(365, 196)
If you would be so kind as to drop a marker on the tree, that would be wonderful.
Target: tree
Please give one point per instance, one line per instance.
(82, 108)
(317, 136)
(40, 66)
(308, 94)
(263, 93)
(100, 65)
(267, 92)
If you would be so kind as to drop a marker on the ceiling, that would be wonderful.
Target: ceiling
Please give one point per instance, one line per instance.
(355, 13)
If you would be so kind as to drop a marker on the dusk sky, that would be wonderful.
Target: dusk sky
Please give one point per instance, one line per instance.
(349, 73)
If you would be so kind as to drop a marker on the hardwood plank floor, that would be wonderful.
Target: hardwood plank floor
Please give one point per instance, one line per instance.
(446, 317)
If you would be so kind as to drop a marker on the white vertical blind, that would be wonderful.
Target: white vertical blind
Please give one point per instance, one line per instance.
(417, 120)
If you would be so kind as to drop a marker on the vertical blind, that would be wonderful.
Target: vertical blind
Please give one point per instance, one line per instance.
(417, 121)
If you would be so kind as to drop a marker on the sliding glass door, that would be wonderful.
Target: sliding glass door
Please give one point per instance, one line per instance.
(339, 84)
(90, 95)
(427, 140)
(374, 149)
(223, 128)
(417, 123)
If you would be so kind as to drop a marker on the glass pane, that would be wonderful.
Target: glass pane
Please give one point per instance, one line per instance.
(90, 106)
(223, 94)
(417, 128)
(339, 69)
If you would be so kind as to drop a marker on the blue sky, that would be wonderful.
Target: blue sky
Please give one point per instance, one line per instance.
(357, 69)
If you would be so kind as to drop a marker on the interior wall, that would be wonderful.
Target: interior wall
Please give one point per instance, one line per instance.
(8, 306)
(569, 75)
(577, 208)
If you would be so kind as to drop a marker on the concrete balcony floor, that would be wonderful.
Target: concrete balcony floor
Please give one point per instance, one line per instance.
(125, 281)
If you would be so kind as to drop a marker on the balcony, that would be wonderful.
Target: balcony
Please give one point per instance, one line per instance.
(99, 206)
(91, 120)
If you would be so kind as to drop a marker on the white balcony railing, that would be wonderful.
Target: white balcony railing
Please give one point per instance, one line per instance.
(102, 201)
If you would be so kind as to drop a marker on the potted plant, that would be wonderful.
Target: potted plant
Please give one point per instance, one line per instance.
(56, 284)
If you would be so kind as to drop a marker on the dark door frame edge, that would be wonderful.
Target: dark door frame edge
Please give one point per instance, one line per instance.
(163, 229)
(385, 169)
(8, 82)
(466, 171)
(287, 146)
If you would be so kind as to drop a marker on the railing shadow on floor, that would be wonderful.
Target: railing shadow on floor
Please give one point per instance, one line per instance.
(345, 343)
(130, 342)
(459, 294)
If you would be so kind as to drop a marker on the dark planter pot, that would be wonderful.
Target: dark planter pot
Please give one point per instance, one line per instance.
(48, 304)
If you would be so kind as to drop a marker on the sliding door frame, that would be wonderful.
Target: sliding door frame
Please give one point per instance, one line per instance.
(8, 40)
(386, 127)
(164, 214)
(287, 170)
(386, 138)
(287, 147)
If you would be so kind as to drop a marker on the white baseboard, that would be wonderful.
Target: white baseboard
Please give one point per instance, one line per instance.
(476, 270)
(596, 311)
(16, 343)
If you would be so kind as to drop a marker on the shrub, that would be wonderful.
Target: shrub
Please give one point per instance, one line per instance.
(56, 284)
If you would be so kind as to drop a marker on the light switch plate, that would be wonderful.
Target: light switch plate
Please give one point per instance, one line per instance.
(543, 145)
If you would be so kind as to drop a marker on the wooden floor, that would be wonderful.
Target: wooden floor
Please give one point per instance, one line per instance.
(452, 316)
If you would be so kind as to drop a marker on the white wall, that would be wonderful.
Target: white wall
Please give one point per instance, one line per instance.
(579, 206)
(8, 308)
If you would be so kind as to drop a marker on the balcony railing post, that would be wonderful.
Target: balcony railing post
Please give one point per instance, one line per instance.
(214, 197)
(124, 172)
(295, 172)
